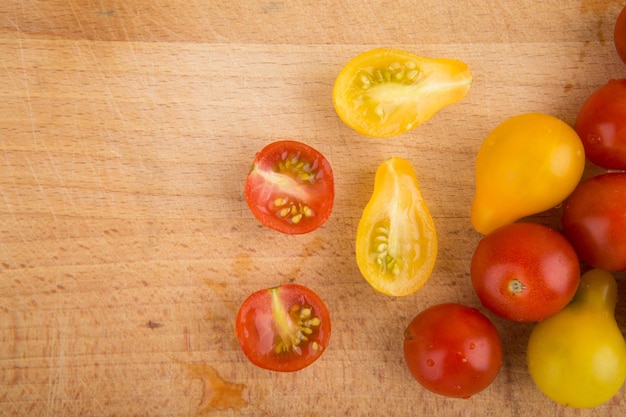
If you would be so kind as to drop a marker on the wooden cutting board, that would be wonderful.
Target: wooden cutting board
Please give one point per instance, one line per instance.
(126, 247)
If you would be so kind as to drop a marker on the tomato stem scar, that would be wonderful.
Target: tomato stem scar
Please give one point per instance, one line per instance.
(516, 286)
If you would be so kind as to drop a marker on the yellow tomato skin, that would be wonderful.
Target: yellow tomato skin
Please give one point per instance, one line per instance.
(385, 92)
(528, 164)
(396, 241)
(578, 356)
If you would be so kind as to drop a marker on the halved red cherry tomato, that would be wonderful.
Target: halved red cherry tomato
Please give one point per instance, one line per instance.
(594, 220)
(285, 328)
(386, 92)
(525, 271)
(620, 34)
(290, 187)
(453, 350)
(601, 125)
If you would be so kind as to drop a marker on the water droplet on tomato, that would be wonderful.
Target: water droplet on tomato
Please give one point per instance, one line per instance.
(430, 363)
(593, 139)
(472, 346)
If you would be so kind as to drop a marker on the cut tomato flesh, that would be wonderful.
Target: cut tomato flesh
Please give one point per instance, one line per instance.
(386, 92)
(290, 187)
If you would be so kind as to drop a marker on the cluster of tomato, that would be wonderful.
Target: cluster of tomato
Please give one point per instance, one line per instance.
(290, 188)
(521, 271)
(528, 272)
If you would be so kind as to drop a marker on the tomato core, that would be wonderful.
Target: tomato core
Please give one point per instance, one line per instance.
(293, 325)
(516, 286)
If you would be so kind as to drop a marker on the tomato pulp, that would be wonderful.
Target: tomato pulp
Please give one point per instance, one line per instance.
(285, 328)
(290, 187)
(385, 92)
(396, 240)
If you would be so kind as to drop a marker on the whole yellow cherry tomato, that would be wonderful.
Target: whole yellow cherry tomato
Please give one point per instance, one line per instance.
(385, 92)
(396, 241)
(528, 164)
(577, 357)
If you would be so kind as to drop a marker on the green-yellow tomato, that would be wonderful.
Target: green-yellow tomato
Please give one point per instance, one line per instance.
(577, 357)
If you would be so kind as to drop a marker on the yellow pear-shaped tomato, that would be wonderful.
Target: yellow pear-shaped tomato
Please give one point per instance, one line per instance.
(528, 164)
(385, 92)
(577, 357)
(396, 241)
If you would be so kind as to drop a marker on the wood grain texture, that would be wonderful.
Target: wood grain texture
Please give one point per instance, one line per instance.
(126, 247)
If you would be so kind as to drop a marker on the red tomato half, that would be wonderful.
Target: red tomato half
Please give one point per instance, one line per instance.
(453, 350)
(620, 35)
(290, 187)
(601, 125)
(285, 328)
(525, 271)
(594, 220)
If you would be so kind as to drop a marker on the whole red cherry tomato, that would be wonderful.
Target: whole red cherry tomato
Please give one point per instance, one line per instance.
(601, 125)
(290, 187)
(620, 35)
(525, 271)
(453, 350)
(285, 328)
(594, 220)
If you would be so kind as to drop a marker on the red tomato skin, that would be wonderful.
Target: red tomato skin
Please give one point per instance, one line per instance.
(453, 350)
(261, 193)
(619, 35)
(525, 272)
(601, 125)
(256, 332)
(594, 220)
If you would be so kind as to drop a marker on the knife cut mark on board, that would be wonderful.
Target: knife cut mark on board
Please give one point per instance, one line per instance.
(217, 393)
(106, 13)
(154, 324)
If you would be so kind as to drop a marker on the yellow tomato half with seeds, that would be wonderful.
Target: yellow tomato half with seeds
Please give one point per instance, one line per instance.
(385, 92)
(396, 242)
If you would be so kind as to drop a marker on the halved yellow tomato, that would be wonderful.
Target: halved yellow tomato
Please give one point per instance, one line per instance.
(396, 241)
(385, 92)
